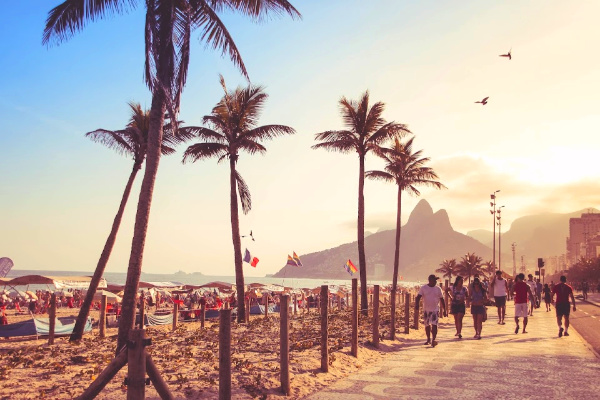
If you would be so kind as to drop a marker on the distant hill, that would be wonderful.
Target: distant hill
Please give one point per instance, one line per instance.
(427, 239)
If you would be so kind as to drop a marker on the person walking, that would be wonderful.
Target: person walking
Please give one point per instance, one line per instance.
(585, 288)
(531, 283)
(458, 294)
(477, 297)
(562, 305)
(432, 297)
(547, 296)
(500, 290)
(522, 293)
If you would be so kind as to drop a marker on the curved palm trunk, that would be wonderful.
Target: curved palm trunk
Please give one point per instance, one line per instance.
(84, 311)
(396, 264)
(237, 244)
(362, 262)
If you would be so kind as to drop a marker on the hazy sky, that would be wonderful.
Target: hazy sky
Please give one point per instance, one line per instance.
(536, 140)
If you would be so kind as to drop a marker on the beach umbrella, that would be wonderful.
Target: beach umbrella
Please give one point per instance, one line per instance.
(109, 296)
(31, 294)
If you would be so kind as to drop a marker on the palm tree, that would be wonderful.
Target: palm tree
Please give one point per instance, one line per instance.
(407, 170)
(131, 141)
(234, 123)
(366, 131)
(448, 268)
(488, 268)
(168, 28)
(470, 265)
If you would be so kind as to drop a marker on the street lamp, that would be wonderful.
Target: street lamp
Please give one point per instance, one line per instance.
(493, 212)
(498, 217)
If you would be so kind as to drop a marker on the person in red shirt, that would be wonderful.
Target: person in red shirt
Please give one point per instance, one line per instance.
(562, 305)
(521, 292)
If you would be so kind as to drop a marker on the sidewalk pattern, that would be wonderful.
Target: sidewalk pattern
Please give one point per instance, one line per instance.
(502, 365)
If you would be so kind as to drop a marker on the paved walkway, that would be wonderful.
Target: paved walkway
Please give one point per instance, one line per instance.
(502, 365)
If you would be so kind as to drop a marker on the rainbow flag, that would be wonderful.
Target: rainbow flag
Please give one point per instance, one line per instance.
(297, 259)
(291, 261)
(350, 267)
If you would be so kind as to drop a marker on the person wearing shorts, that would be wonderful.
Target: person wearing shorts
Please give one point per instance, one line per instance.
(522, 293)
(562, 305)
(477, 297)
(432, 297)
(458, 293)
(500, 291)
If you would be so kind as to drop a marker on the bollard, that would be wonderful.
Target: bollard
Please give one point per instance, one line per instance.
(52, 317)
(406, 312)
(225, 355)
(175, 312)
(376, 316)
(284, 344)
(354, 344)
(416, 314)
(103, 316)
(324, 333)
(393, 314)
(202, 315)
(142, 309)
(136, 365)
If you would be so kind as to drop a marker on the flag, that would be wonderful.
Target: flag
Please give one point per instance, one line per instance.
(291, 261)
(348, 269)
(254, 262)
(297, 259)
(247, 257)
(5, 265)
(351, 266)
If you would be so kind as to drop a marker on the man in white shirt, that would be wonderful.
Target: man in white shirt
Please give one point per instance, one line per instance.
(432, 296)
(500, 290)
(531, 283)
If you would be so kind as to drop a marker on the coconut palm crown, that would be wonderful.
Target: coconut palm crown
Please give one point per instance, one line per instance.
(470, 265)
(233, 128)
(448, 268)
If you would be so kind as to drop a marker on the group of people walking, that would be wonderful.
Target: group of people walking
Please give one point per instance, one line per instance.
(475, 295)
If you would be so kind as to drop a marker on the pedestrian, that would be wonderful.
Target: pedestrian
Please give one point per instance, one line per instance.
(477, 297)
(531, 283)
(547, 296)
(458, 294)
(500, 290)
(562, 305)
(522, 293)
(538, 292)
(585, 288)
(432, 297)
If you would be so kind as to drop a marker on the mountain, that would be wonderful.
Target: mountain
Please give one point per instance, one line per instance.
(427, 239)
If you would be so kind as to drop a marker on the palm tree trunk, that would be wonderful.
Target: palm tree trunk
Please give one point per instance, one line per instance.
(237, 245)
(362, 261)
(84, 311)
(396, 263)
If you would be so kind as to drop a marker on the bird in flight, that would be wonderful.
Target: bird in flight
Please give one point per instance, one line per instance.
(483, 102)
(507, 55)
(250, 236)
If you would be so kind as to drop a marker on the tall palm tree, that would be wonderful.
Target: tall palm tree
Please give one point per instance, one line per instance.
(470, 265)
(406, 168)
(448, 268)
(365, 131)
(131, 141)
(234, 123)
(488, 268)
(168, 28)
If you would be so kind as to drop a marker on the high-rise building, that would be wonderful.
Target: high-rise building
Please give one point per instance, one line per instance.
(584, 237)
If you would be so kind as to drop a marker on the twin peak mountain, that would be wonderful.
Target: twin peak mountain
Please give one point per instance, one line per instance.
(426, 240)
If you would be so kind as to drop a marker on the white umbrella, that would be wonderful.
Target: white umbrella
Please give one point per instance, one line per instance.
(31, 294)
(109, 296)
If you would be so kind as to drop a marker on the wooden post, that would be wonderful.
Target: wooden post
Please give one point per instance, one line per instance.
(371, 299)
(354, 344)
(393, 314)
(267, 307)
(406, 312)
(295, 304)
(52, 316)
(376, 316)
(142, 309)
(446, 297)
(175, 312)
(284, 344)
(442, 314)
(202, 315)
(416, 314)
(159, 383)
(319, 304)
(225, 355)
(248, 301)
(103, 316)
(136, 365)
(324, 327)
(347, 300)
(105, 376)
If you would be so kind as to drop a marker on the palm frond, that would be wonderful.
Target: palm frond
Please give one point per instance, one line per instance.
(388, 131)
(244, 193)
(250, 146)
(203, 151)
(380, 176)
(341, 146)
(114, 140)
(260, 9)
(204, 134)
(267, 132)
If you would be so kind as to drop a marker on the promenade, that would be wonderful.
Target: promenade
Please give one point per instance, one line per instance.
(502, 365)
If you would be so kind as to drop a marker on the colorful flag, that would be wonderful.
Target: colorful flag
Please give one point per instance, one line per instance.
(247, 256)
(348, 269)
(351, 266)
(291, 261)
(297, 259)
(254, 262)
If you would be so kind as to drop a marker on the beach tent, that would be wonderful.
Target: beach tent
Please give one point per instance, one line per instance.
(60, 282)
(218, 285)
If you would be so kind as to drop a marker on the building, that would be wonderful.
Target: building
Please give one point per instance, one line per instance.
(584, 237)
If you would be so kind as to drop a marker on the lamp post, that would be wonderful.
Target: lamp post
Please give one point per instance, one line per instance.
(498, 217)
(493, 212)
(514, 246)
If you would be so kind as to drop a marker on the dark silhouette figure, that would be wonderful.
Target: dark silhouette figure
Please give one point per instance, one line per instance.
(250, 236)
(507, 55)
(483, 102)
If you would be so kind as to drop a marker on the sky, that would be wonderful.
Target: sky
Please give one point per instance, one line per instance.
(536, 140)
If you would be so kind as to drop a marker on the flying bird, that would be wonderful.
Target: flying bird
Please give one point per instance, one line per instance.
(483, 102)
(507, 55)
(250, 236)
